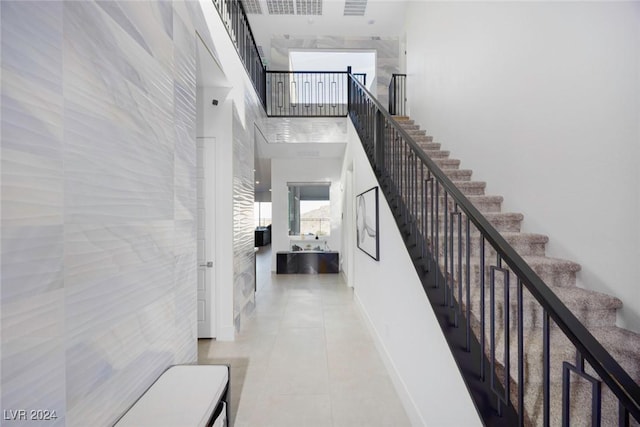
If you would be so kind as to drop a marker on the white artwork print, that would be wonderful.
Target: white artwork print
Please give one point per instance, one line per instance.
(367, 222)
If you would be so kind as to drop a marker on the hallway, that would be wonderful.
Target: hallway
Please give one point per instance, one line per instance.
(305, 358)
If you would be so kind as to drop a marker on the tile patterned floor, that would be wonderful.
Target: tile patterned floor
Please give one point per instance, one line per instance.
(305, 358)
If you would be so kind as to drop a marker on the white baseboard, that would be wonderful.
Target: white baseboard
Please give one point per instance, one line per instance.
(401, 388)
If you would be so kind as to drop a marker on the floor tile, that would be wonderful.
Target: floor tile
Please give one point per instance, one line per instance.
(305, 358)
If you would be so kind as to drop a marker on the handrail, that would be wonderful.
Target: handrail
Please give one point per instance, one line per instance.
(620, 383)
(237, 24)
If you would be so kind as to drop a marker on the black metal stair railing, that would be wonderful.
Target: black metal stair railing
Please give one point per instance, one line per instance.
(235, 20)
(398, 95)
(469, 271)
(495, 311)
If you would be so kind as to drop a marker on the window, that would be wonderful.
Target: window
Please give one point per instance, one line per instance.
(309, 209)
(262, 213)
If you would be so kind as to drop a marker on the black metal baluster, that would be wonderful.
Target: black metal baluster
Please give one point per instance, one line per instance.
(492, 330)
(468, 280)
(451, 279)
(459, 216)
(503, 399)
(434, 255)
(545, 369)
(623, 416)
(482, 310)
(596, 392)
(436, 216)
(520, 356)
(423, 211)
(445, 214)
(415, 197)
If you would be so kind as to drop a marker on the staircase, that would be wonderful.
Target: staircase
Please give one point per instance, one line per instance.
(595, 310)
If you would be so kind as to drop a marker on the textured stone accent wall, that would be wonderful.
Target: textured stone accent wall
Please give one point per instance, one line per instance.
(98, 182)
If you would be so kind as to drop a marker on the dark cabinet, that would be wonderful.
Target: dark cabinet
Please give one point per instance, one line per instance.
(263, 236)
(307, 262)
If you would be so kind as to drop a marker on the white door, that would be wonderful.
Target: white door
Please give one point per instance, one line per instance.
(206, 232)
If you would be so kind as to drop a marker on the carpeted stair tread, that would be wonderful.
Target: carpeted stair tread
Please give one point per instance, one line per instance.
(553, 271)
(439, 154)
(447, 163)
(429, 145)
(593, 309)
(470, 188)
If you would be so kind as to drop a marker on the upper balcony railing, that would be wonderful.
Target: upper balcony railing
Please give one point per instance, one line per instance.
(235, 20)
(308, 93)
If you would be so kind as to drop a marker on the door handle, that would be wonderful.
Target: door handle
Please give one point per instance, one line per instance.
(209, 264)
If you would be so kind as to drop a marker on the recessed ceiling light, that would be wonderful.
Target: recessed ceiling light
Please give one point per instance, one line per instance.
(257, 182)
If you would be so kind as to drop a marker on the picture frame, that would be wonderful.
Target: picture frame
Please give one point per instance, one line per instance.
(368, 223)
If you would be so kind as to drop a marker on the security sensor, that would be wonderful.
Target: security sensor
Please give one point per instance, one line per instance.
(214, 102)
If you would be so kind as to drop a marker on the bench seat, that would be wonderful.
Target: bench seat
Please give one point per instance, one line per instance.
(183, 396)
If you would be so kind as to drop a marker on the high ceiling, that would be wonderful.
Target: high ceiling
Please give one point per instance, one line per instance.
(342, 18)
(362, 18)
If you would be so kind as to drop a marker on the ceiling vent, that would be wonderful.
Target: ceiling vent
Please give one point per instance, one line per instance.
(309, 7)
(252, 7)
(355, 7)
(281, 7)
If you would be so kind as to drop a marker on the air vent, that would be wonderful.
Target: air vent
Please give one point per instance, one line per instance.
(309, 7)
(252, 7)
(355, 7)
(281, 7)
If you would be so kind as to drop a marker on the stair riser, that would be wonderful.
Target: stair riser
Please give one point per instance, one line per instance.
(484, 205)
(456, 175)
(447, 163)
(500, 223)
(533, 313)
(524, 247)
(469, 188)
(561, 350)
(433, 152)
(551, 276)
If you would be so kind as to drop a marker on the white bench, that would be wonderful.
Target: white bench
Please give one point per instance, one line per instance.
(183, 396)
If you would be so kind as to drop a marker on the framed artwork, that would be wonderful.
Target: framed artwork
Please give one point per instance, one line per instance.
(367, 223)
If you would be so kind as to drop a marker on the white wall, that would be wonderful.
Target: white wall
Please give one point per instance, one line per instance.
(402, 321)
(285, 170)
(541, 100)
